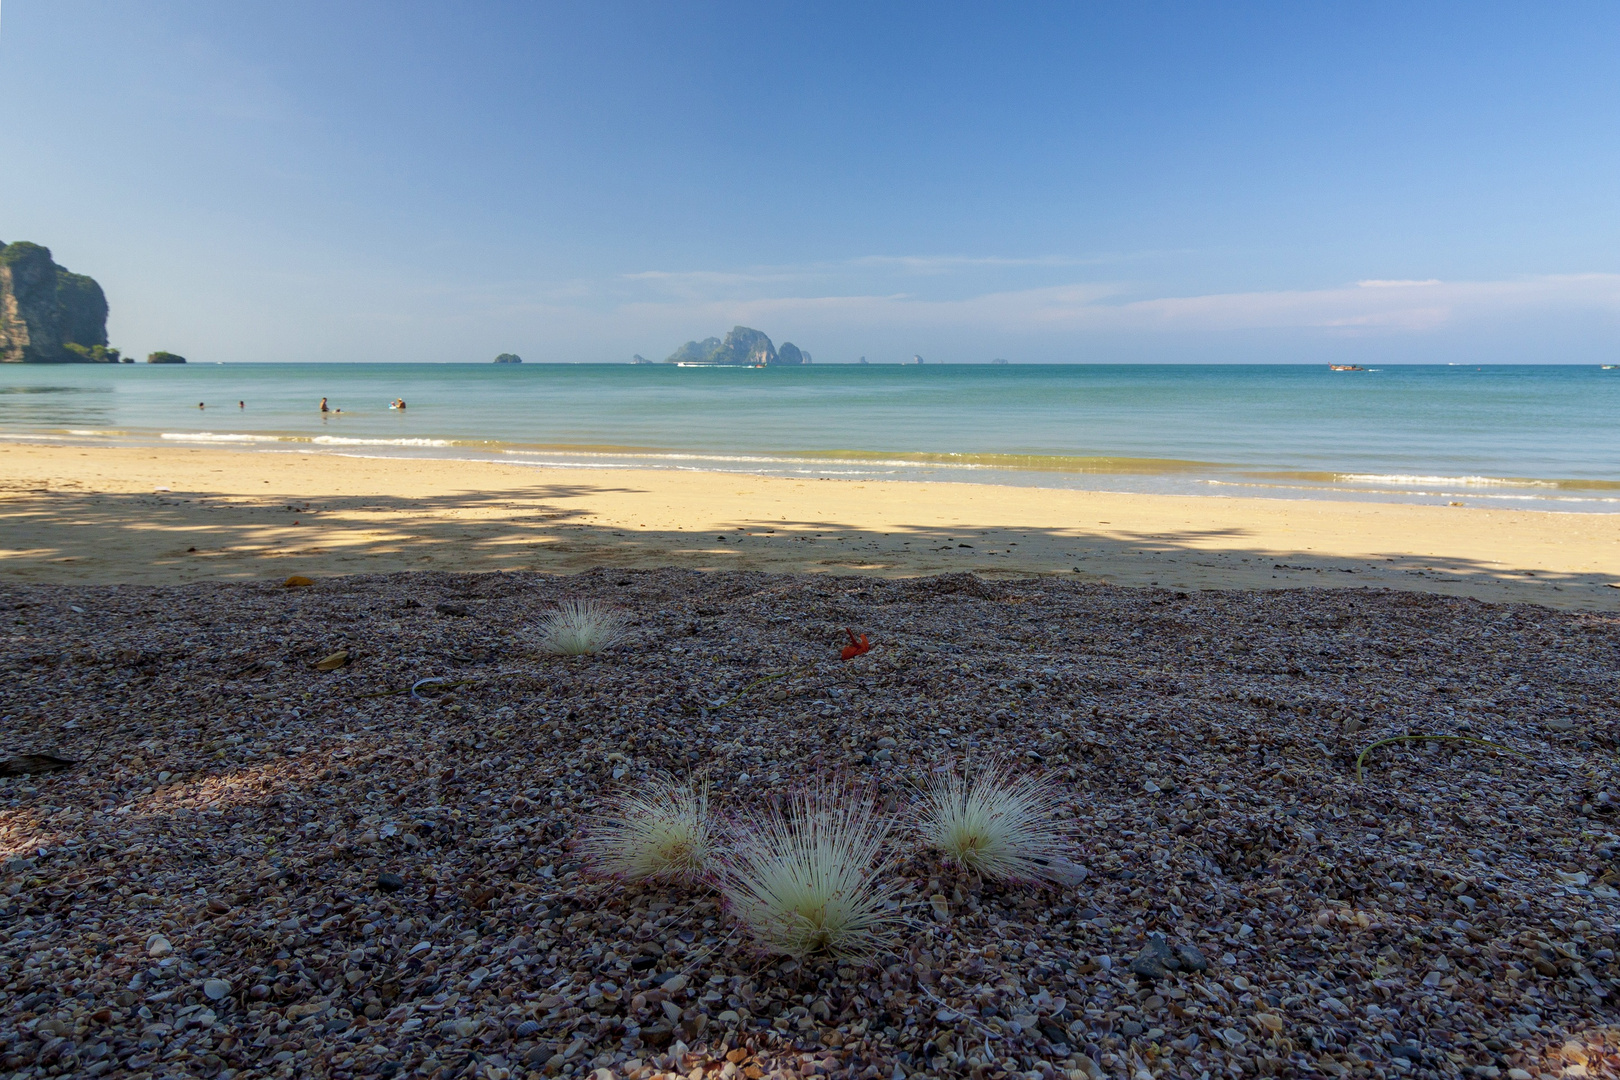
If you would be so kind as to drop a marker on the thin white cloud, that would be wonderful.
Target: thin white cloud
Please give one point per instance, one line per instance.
(910, 265)
(945, 264)
(1349, 310)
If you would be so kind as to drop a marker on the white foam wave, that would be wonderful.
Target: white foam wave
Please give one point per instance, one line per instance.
(1477, 498)
(339, 440)
(543, 464)
(766, 460)
(1465, 481)
(209, 436)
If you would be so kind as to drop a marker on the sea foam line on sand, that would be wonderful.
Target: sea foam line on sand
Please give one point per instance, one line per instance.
(319, 440)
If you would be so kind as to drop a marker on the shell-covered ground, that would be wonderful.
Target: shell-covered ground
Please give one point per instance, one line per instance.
(257, 867)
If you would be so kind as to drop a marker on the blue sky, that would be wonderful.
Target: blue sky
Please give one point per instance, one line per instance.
(1143, 182)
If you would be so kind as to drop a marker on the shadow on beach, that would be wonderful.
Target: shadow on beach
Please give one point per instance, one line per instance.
(74, 536)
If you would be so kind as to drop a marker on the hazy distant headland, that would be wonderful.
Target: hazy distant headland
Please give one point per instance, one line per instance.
(49, 315)
(743, 347)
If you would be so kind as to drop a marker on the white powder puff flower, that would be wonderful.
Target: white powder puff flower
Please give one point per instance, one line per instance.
(660, 832)
(810, 879)
(579, 627)
(998, 824)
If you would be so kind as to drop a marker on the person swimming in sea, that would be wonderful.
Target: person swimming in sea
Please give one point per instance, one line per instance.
(200, 405)
(397, 403)
(241, 404)
(323, 406)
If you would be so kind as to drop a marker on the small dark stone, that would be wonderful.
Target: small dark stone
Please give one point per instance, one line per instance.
(658, 1036)
(337, 1023)
(390, 882)
(1087, 914)
(1156, 961)
(642, 963)
(1191, 959)
(1409, 1051)
(451, 609)
(1131, 1029)
(1054, 1034)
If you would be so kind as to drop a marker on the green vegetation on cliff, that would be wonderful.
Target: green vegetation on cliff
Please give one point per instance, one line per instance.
(49, 314)
(92, 354)
(161, 357)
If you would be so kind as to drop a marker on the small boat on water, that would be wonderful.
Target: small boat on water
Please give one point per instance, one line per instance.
(1346, 367)
(1610, 367)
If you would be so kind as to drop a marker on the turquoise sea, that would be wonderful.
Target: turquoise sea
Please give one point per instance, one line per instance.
(1534, 437)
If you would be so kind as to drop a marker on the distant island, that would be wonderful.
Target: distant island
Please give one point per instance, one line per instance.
(509, 358)
(743, 347)
(49, 315)
(161, 357)
(639, 359)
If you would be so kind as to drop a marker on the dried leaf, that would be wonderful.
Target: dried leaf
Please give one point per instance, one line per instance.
(333, 662)
(296, 580)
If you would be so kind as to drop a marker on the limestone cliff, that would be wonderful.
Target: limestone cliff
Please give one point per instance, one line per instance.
(743, 346)
(48, 314)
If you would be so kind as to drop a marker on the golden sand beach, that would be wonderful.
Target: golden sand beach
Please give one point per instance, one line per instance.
(169, 515)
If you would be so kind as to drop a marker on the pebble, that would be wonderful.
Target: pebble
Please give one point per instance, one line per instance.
(390, 882)
(1158, 959)
(1191, 958)
(215, 989)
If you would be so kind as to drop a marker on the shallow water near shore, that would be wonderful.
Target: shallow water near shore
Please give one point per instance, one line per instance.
(1523, 437)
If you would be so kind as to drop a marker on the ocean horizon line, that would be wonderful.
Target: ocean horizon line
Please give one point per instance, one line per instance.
(1361, 367)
